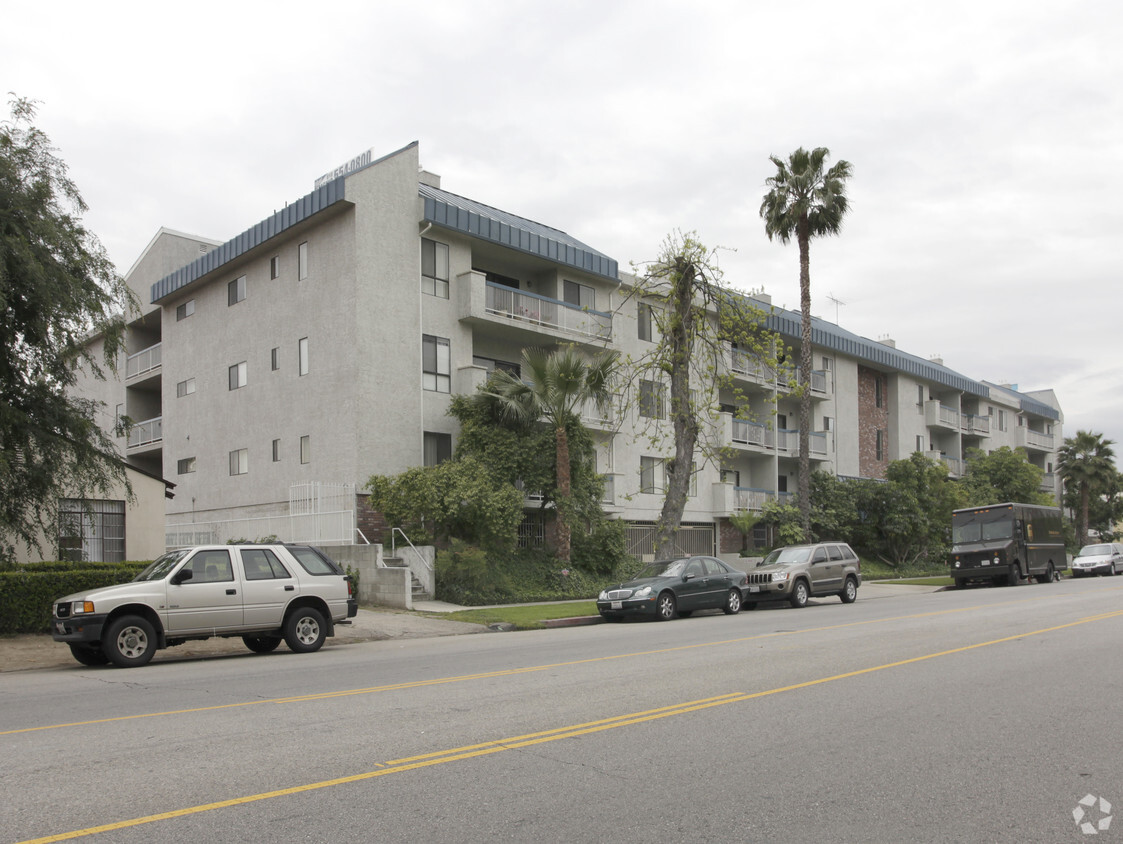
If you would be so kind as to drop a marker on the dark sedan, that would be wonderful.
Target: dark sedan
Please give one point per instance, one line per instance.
(675, 587)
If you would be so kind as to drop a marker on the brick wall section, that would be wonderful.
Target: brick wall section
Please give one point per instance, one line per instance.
(872, 419)
(729, 539)
(371, 523)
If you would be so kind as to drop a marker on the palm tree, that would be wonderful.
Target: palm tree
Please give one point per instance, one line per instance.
(1086, 463)
(559, 382)
(805, 202)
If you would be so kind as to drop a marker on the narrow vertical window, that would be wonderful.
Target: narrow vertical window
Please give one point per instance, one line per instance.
(302, 261)
(302, 354)
(644, 314)
(274, 267)
(434, 268)
(276, 451)
(239, 462)
(436, 371)
(275, 359)
(237, 374)
(236, 291)
(305, 449)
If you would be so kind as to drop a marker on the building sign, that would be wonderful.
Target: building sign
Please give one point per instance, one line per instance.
(347, 168)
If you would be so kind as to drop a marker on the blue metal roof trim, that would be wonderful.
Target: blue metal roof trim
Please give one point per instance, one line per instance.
(464, 215)
(1038, 408)
(829, 336)
(293, 213)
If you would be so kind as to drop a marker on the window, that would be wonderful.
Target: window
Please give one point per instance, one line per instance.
(185, 310)
(580, 295)
(274, 267)
(920, 444)
(302, 354)
(239, 462)
(492, 364)
(91, 531)
(828, 364)
(435, 364)
(185, 388)
(437, 448)
(731, 476)
(238, 375)
(880, 446)
(305, 449)
(210, 567)
(118, 420)
(1002, 420)
(302, 261)
(236, 291)
(276, 451)
(651, 474)
(275, 359)
(920, 398)
(651, 394)
(185, 466)
(828, 423)
(878, 397)
(262, 564)
(644, 316)
(434, 268)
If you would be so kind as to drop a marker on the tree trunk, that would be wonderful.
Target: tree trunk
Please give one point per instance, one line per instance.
(562, 504)
(804, 236)
(1082, 528)
(678, 469)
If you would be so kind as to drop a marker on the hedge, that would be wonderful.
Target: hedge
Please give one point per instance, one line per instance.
(27, 593)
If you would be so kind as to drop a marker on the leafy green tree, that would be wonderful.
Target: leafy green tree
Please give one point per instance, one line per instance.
(57, 289)
(785, 522)
(1085, 463)
(559, 383)
(697, 319)
(918, 520)
(1003, 475)
(804, 201)
(833, 509)
(454, 499)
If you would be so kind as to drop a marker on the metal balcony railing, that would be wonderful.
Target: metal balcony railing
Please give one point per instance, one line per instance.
(552, 313)
(143, 361)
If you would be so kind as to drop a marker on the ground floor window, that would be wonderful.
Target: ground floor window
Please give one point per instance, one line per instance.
(532, 530)
(91, 531)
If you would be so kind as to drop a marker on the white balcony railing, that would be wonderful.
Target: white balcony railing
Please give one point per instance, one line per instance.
(552, 313)
(1035, 440)
(144, 433)
(751, 433)
(787, 442)
(143, 361)
(972, 425)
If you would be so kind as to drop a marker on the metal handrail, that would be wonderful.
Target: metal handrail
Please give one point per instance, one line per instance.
(394, 547)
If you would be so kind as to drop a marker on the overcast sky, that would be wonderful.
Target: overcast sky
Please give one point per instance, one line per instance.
(986, 139)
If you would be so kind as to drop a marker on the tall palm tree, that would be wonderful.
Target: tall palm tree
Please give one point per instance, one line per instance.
(805, 202)
(1086, 463)
(559, 382)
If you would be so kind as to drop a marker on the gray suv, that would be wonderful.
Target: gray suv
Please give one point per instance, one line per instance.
(263, 593)
(799, 572)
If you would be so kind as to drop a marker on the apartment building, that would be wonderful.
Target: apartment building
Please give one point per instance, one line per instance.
(271, 375)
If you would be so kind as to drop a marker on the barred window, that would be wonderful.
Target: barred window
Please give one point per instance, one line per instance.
(91, 531)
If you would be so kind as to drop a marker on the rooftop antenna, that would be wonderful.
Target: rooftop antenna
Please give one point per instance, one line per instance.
(837, 302)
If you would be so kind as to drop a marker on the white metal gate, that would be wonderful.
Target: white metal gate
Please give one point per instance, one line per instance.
(688, 540)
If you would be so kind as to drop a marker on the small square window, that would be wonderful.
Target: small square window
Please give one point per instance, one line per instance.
(437, 448)
(185, 466)
(236, 291)
(239, 462)
(185, 388)
(185, 310)
(238, 375)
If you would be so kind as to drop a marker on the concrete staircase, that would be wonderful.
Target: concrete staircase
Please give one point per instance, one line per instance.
(419, 591)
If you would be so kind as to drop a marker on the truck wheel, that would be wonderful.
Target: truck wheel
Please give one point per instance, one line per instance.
(262, 644)
(748, 605)
(849, 593)
(961, 583)
(732, 602)
(88, 654)
(130, 642)
(305, 630)
(1014, 576)
(1050, 573)
(665, 607)
(799, 594)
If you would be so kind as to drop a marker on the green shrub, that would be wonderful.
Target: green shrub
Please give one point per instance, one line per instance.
(27, 592)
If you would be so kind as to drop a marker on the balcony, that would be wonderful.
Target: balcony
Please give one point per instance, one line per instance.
(729, 499)
(1035, 440)
(974, 426)
(937, 415)
(818, 384)
(529, 313)
(787, 444)
(143, 362)
(752, 435)
(147, 433)
(744, 367)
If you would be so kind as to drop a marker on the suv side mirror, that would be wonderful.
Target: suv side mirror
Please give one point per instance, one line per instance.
(182, 575)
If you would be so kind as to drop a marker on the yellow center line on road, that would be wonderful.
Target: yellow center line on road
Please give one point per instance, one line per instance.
(509, 672)
(412, 763)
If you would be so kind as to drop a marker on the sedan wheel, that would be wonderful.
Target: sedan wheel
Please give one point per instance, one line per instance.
(732, 602)
(665, 607)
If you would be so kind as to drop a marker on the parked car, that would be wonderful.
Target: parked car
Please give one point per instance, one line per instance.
(1103, 558)
(263, 593)
(799, 572)
(675, 587)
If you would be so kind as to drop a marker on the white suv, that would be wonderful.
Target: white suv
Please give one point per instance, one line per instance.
(263, 593)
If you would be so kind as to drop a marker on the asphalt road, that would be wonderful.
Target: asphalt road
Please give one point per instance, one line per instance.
(975, 715)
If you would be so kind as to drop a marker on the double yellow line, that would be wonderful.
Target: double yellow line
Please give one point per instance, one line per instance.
(412, 763)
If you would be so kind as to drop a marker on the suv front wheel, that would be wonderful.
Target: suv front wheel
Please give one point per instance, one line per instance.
(305, 630)
(130, 642)
(799, 594)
